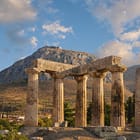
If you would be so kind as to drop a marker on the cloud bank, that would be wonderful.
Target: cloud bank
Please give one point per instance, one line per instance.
(123, 16)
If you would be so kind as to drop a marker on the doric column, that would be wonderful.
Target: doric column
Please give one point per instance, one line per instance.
(137, 101)
(97, 99)
(31, 110)
(58, 99)
(81, 101)
(117, 99)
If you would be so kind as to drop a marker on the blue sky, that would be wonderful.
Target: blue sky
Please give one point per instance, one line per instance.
(99, 27)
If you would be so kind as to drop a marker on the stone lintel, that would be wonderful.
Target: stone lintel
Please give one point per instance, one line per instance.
(32, 70)
(110, 63)
(103, 65)
(107, 61)
(51, 66)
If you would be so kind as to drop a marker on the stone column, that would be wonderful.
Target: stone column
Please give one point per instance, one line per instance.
(58, 99)
(117, 99)
(31, 110)
(98, 100)
(137, 101)
(81, 102)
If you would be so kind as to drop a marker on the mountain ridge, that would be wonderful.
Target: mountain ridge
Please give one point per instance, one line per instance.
(16, 72)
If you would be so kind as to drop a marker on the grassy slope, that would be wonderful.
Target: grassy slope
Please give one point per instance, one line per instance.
(17, 92)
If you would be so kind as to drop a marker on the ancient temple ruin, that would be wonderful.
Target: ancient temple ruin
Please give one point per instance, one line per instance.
(97, 70)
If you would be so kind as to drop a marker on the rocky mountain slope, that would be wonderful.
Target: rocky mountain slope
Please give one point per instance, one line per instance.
(130, 76)
(16, 72)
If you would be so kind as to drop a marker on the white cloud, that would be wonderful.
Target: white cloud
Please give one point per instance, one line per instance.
(117, 13)
(61, 36)
(123, 16)
(123, 50)
(118, 48)
(34, 41)
(16, 10)
(56, 29)
(130, 36)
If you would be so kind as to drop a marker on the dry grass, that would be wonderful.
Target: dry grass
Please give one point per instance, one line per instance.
(17, 92)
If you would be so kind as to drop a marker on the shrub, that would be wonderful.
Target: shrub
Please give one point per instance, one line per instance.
(69, 114)
(45, 122)
(13, 135)
(4, 124)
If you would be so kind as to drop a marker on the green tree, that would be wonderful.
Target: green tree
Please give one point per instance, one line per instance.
(89, 111)
(69, 114)
(107, 114)
(129, 109)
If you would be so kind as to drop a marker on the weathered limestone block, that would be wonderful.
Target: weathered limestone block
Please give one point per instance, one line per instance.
(31, 110)
(137, 101)
(117, 100)
(51, 66)
(107, 132)
(103, 64)
(98, 100)
(81, 101)
(58, 100)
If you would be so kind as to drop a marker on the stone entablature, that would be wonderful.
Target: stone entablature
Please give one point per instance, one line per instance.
(51, 66)
(97, 69)
(110, 63)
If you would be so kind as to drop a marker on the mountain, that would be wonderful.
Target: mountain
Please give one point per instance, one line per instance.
(130, 76)
(13, 86)
(16, 72)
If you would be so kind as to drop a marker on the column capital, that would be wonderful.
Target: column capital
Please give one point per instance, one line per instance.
(81, 77)
(57, 75)
(32, 70)
(98, 74)
(118, 68)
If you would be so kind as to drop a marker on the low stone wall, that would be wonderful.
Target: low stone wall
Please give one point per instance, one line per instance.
(103, 131)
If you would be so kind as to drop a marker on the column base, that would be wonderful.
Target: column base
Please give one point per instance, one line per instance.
(29, 123)
(62, 124)
(119, 128)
